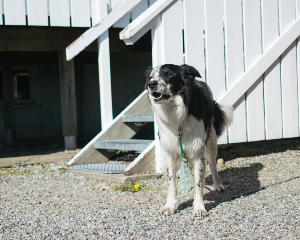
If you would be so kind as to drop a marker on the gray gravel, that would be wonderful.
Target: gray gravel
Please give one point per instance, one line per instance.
(48, 203)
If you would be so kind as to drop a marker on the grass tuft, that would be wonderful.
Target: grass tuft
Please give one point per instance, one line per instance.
(131, 187)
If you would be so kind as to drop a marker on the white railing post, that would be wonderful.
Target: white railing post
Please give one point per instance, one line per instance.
(157, 59)
(104, 69)
(166, 50)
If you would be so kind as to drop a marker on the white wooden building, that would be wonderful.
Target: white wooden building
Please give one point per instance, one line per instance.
(246, 50)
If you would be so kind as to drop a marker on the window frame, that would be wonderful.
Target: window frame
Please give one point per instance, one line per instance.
(34, 100)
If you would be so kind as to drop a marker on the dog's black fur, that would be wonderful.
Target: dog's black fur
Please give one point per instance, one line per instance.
(196, 95)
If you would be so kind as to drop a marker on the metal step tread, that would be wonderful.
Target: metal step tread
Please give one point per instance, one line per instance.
(146, 117)
(123, 144)
(104, 168)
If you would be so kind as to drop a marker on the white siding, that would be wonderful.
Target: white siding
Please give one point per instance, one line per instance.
(215, 65)
(288, 73)
(37, 12)
(59, 13)
(235, 65)
(80, 13)
(253, 50)
(15, 12)
(125, 20)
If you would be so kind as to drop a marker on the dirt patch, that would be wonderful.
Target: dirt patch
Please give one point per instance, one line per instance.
(42, 151)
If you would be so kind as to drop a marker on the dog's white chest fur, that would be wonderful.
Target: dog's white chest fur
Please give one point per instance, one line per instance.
(169, 117)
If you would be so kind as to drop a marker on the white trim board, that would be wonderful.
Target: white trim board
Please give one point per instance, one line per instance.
(94, 32)
(142, 24)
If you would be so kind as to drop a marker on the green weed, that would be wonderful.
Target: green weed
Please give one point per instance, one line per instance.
(13, 171)
(131, 187)
(39, 164)
(21, 161)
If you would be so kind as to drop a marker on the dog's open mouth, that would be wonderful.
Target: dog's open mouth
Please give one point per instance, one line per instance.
(160, 97)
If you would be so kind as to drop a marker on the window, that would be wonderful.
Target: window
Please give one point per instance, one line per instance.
(24, 83)
(21, 85)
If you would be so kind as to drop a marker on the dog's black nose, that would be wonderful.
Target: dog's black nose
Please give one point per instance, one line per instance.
(152, 84)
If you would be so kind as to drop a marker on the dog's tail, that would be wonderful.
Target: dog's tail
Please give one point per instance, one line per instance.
(223, 114)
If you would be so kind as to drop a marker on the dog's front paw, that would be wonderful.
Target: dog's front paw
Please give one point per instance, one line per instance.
(219, 187)
(168, 210)
(200, 212)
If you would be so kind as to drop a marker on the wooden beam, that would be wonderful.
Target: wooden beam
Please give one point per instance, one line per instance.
(145, 162)
(94, 32)
(104, 73)
(68, 101)
(261, 65)
(142, 24)
(15, 38)
(8, 99)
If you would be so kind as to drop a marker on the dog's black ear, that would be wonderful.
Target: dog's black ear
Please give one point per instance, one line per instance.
(190, 72)
(147, 75)
(148, 72)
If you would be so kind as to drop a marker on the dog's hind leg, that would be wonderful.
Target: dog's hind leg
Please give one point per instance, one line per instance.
(199, 174)
(211, 154)
(169, 208)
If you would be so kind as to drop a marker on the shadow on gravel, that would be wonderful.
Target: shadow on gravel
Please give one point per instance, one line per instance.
(236, 181)
(252, 149)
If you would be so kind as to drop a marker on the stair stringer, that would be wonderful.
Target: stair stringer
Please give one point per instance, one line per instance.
(145, 162)
(117, 130)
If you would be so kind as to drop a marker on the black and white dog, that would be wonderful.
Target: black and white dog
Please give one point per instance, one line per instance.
(183, 103)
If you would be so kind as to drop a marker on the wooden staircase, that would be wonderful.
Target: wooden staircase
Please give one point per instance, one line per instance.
(118, 137)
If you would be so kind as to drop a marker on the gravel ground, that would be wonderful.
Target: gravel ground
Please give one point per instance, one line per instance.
(46, 202)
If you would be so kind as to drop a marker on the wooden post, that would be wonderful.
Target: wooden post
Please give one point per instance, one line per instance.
(8, 99)
(104, 71)
(166, 50)
(68, 101)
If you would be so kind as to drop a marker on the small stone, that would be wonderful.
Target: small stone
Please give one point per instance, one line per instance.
(220, 161)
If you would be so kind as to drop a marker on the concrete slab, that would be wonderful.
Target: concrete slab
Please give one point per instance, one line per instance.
(117, 178)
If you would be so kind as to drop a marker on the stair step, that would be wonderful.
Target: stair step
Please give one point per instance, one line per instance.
(146, 117)
(123, 144)
(103, 168)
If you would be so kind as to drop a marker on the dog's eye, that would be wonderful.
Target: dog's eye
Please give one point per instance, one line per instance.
(167, 73)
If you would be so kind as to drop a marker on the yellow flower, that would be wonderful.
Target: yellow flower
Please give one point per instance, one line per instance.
(136, 186)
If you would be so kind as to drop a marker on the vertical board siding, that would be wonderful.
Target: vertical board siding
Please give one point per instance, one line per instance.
(151, 2)
(1, 12)
(193, 35)
(80, 13)
(15, 12)
(59, 13)
(235, 65)
(298, 76)
(272, 86)
(37, 12)
(215, 65)
(288, 73)
(297, 2)
(298, 61)
(172, 23)
(139, 9)
(253, 50)
(95, 9)
(125, 20)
